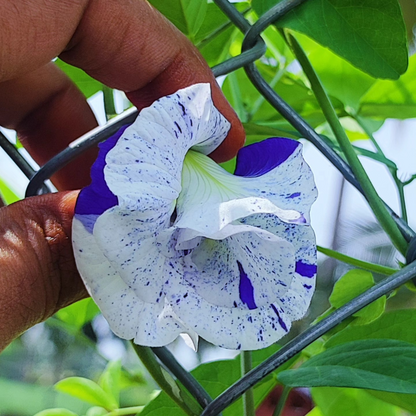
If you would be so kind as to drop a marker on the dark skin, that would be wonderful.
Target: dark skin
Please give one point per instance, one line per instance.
(125, 44)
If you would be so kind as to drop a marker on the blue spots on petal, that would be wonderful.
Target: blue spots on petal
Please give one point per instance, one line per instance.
(305, 269)
(259, 158)
(280, 320)
(246, 288)
(97, 197)
(295, 195)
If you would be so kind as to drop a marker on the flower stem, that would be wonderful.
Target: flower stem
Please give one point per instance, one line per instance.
(282, 401)
(248, 397)
(376, 268)
(166, 382)
(376, 204)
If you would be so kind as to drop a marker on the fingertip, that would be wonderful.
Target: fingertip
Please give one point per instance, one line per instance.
(236, 136)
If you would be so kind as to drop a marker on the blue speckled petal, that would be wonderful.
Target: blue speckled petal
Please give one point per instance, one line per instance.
(97, 198)
(275, 169)
(260, 158)
(297, 299)
(252, 292)
(152, 324)
(249, 257)
(144, 168)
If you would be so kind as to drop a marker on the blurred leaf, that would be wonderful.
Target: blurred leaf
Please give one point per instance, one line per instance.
(387, 365)
(36, 398)
(391, 325)
(333, 71)
(7, 194)
(214, 22)
(371, 35)
(56, 412)
(405, 401)
(96, 411)
(348, 402)
(110, 380)
(79, 313)
(392, 99)
(88, 86)
(315, 412)
(243, 96)
(349, 286)
(86, 390)
(186, 15)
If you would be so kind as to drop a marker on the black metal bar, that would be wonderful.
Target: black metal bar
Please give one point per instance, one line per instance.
(17, 158)
(186, 378)
(239, 61)
(298, 343)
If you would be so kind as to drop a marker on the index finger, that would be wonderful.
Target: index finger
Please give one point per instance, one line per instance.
(125, 44)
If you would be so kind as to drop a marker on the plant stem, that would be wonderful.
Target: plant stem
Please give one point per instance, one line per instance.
(126, 411)
(166, 382)
(248, 397)
(376, 268)
(399, 184)
(370, 193)
(282, 401)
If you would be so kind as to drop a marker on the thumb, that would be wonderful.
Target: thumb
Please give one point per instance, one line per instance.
(37, 268)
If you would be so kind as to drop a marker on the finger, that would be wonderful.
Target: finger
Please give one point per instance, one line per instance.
(48, 112)
(129, 46)
(147, 57)
(37, 268)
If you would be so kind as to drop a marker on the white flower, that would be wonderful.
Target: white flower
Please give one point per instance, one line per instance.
(167, 242)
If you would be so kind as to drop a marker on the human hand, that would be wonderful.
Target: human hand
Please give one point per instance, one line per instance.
(124, 44)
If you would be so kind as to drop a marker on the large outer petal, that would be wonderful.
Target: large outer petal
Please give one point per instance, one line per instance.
(151, 324)
(279, 278)
(145, 165)
(139, 169)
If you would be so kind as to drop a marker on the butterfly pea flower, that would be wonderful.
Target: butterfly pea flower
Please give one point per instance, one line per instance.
(168, 243)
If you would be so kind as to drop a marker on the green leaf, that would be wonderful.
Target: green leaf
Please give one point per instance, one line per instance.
(316, 411)
(350, 286)
(371, 35)
(392, 325)
(79, 313)
(347, 402)
(88, 86)
(56, 412)
(216, 377)
(110, 380)
(387, 365)
(333, 71)
(392, 99)
(405, 401)
(186, 15)
(86, 390)
(162, 405)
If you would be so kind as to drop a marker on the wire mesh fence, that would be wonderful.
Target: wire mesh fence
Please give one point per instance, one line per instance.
(253, 49)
